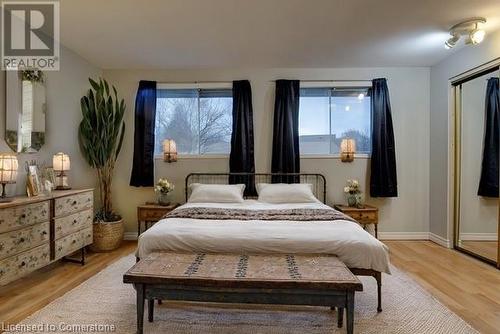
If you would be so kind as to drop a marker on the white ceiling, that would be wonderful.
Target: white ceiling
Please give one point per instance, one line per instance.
(265, 33)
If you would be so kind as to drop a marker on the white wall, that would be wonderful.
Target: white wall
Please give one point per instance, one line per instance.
(409, 92)
(458, 62)
(64, 89)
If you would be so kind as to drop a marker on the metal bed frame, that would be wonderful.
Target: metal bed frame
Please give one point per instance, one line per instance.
(318, 182)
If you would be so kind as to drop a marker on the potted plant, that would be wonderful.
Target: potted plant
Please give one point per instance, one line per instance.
(101, 135)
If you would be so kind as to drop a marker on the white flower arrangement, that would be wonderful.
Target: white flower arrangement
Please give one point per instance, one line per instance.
(163, 186)
(352, 187)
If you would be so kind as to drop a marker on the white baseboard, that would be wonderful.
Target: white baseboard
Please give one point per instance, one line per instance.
(403, 235)
(478, 236)
(130, 236)
(440, 240)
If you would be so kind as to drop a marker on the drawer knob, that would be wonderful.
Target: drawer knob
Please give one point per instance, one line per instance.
(74, 241)
(21, 240)
(44, 233)
(75, 221)
(74, 203)
(23, 215)
(22, 264)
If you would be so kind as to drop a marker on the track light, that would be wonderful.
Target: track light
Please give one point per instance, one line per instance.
(477, 35)
(470, 28)
(452, 41)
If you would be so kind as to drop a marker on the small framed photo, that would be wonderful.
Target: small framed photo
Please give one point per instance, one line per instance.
(33, 183)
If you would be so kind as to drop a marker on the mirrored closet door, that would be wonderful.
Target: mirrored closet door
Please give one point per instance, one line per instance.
(477, 140)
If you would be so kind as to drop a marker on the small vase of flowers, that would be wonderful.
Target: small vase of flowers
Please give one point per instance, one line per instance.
(353, 194)
(163, 189)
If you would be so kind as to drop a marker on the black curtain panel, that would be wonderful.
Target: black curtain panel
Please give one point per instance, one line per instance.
(383, 180)
(285, 154)
(241, 158)
(488, 184)
(144, 135)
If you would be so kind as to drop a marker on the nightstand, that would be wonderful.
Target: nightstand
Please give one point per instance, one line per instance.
(366, 215)
(150, 213)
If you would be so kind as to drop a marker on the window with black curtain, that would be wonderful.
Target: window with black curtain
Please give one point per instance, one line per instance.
(199, 120)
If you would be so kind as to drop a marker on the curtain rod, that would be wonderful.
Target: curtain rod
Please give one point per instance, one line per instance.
(329, 80)
(195, 82)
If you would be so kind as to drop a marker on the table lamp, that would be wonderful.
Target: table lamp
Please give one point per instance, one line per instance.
(347, 149)
(61, 164)
(8, 172)
(169, 150)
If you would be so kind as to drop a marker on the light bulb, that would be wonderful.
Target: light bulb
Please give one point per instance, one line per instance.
(477, 36)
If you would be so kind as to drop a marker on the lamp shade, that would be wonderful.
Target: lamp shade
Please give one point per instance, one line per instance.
(8, 168)
(169, 150)
(347, 149)
(60, 162)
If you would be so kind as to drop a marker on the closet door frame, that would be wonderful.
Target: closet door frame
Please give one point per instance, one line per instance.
(457, 152)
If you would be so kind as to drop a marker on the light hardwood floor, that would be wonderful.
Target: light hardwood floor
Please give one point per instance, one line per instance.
(468, 287)
(488, 249)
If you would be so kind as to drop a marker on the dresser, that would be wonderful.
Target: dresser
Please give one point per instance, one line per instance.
(36, 231)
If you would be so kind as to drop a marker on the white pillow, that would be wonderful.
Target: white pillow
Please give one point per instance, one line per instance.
(286, 193)
(216, 193)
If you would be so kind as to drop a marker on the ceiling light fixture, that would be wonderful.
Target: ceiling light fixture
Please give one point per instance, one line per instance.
(470, 28)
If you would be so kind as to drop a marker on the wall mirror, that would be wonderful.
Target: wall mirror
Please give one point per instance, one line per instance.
(25, 110)
(477, 130)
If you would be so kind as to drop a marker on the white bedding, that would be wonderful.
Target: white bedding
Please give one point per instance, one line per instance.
(353, 245)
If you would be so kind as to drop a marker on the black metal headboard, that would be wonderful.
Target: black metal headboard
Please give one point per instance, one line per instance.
(317, 181)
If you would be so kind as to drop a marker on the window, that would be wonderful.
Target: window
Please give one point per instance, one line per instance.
(328, 115)
(199, 120)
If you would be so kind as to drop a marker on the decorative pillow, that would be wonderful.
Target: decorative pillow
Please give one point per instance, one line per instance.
(216, 193)
(285, 193)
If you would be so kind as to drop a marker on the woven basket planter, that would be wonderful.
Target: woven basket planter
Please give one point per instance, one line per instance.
(107, 236)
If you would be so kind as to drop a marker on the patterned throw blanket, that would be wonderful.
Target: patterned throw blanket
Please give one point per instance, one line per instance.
(243, 214)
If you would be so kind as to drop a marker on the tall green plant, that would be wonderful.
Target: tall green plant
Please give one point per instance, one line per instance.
(101, 135)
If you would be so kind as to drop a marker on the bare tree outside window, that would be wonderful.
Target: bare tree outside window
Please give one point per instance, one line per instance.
(199, 125)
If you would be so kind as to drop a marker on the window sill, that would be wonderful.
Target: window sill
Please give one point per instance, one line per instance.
(196, 156)
(332, 156)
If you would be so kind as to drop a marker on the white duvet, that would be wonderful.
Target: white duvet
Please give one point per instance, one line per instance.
(345, 239)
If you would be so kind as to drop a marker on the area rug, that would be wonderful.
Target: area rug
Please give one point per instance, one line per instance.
(104, 304)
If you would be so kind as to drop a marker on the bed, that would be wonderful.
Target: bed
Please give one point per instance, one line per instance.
(194, 231)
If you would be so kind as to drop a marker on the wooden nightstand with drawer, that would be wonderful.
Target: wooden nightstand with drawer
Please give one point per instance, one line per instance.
(366, 215)
(150, 213)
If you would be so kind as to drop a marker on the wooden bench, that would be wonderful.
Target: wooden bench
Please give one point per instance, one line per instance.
(315, 280)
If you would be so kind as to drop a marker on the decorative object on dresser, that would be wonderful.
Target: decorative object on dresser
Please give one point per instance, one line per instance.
(8, 173)
(169, 150)
(35, 231)
(150, 213)
(315, 280)
(101, 135)
(353, 194)
(347, 150)
(163, 189)
(33, 184)
(61, 164)
(366, 215)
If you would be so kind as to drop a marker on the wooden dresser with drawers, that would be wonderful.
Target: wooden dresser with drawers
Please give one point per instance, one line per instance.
(35, 231)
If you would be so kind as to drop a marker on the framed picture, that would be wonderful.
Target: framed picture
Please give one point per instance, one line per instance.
(33, 183)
